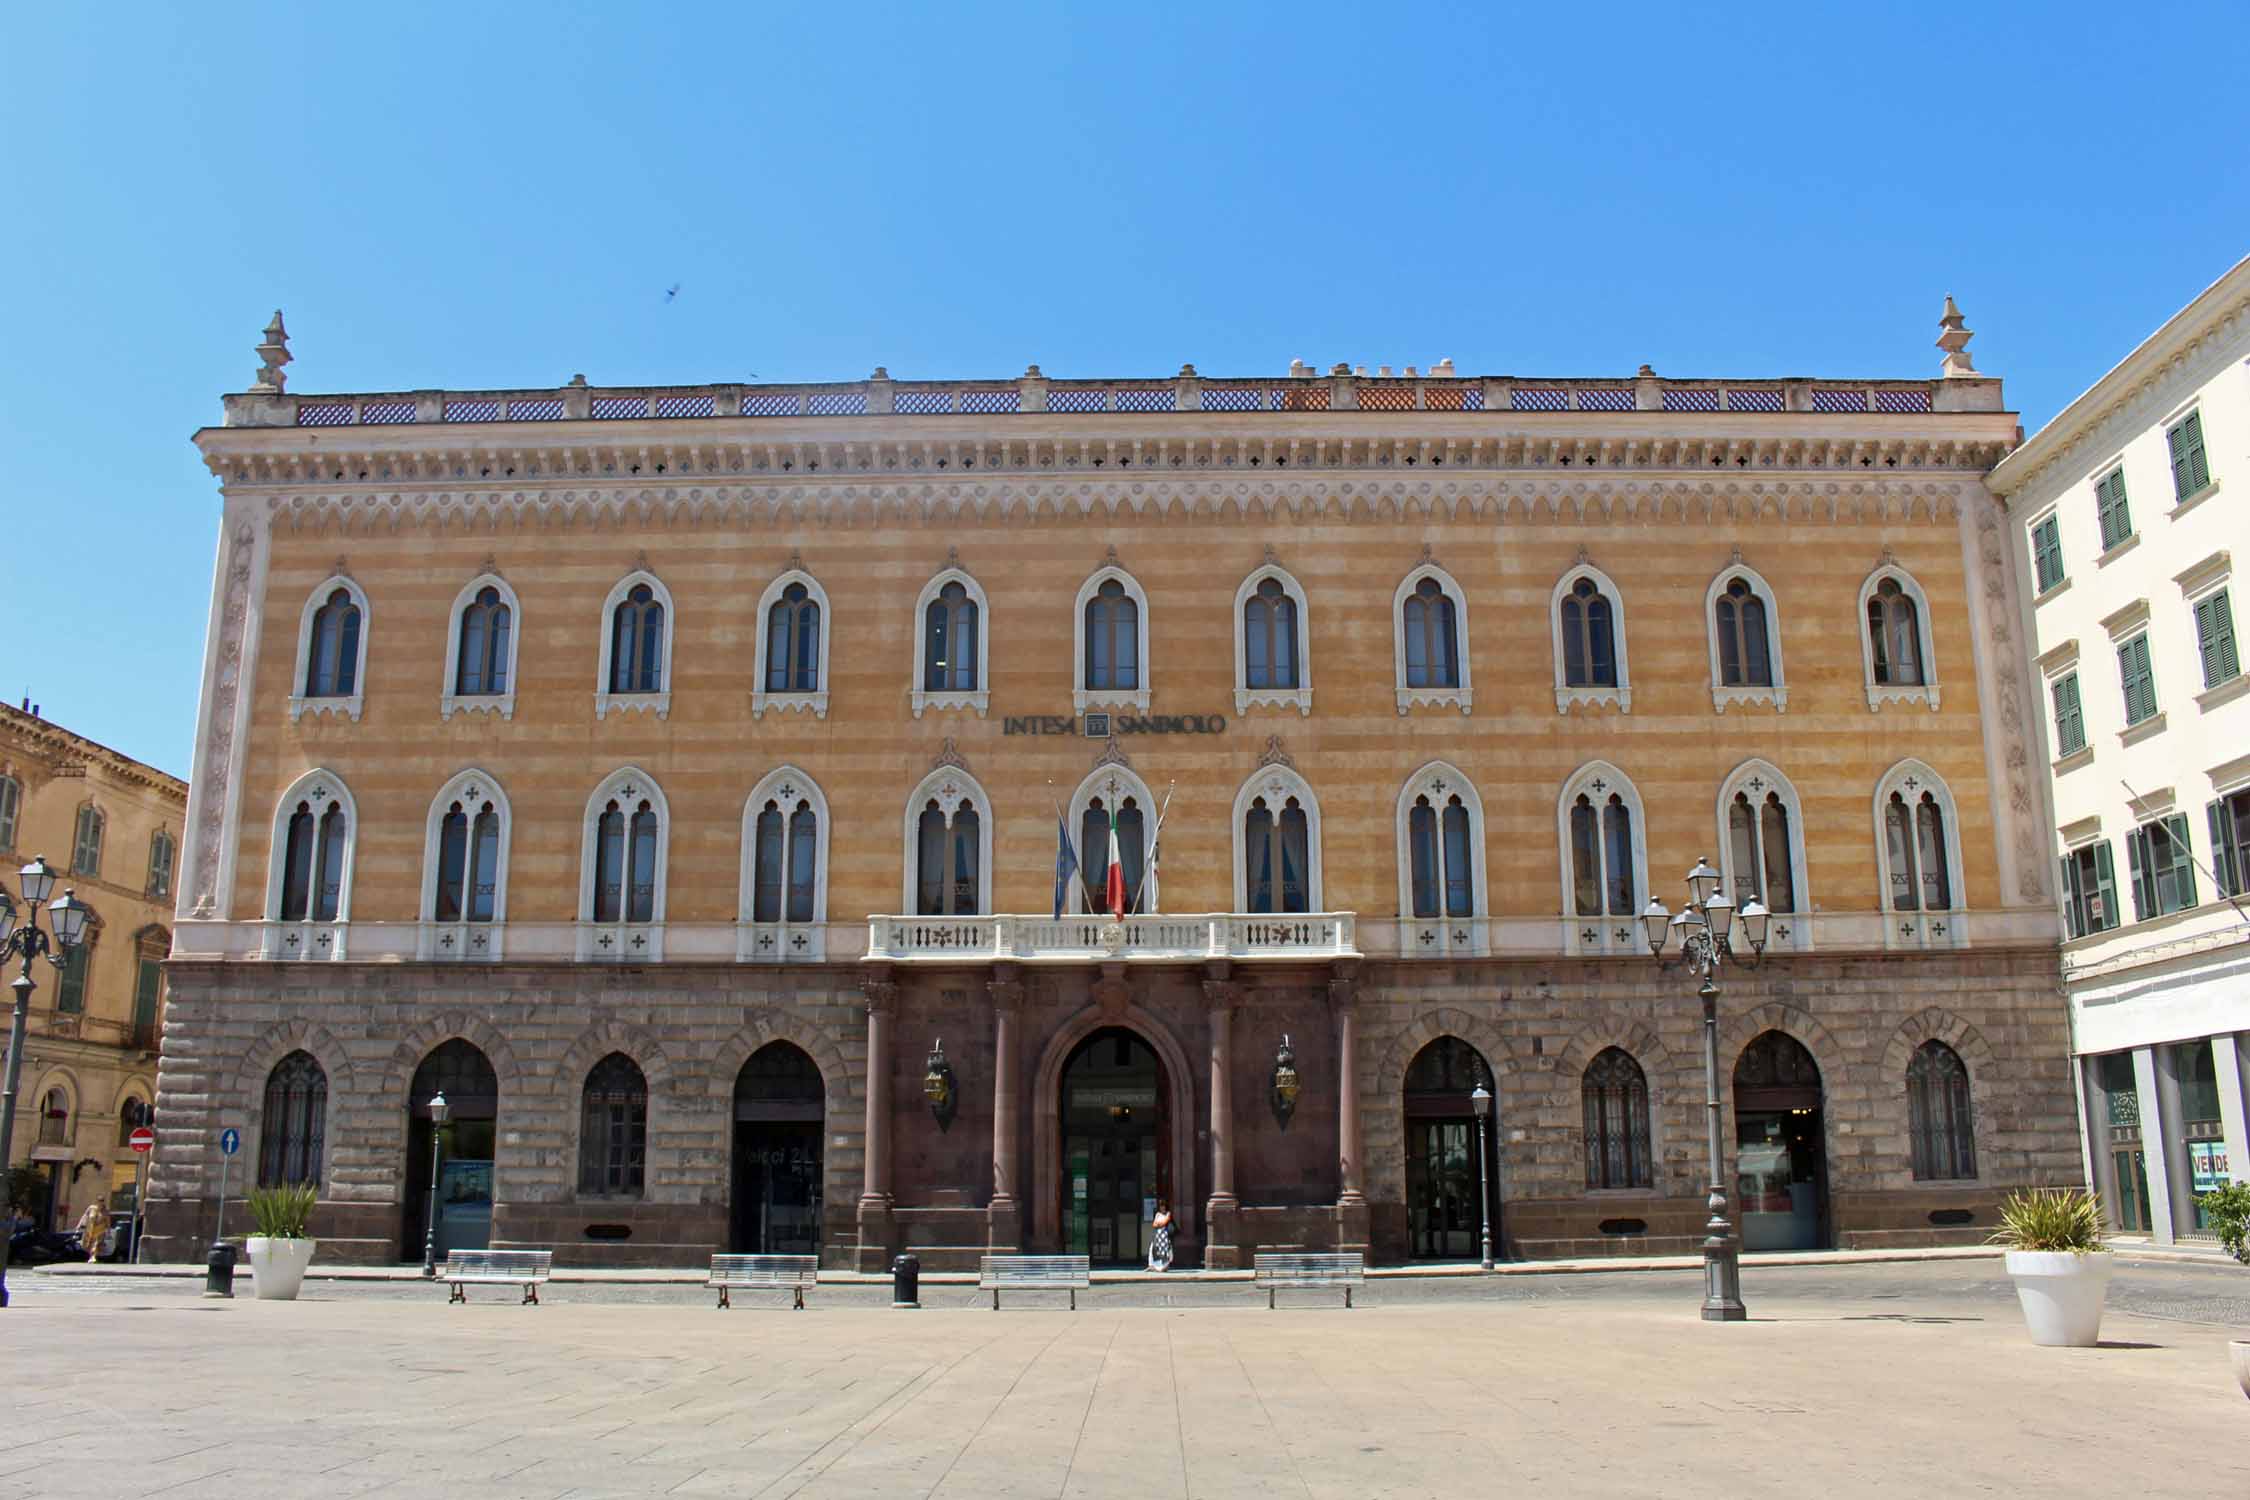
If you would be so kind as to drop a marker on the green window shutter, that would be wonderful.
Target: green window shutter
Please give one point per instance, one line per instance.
(2105, 887)
(2046, 553)
(70, 989)
(145, 993)
(2225, 868)
(2110, 506)
(2070, 719)
(2214, 638)
(2191, 466)
(2183, 863)
(2138, 679)
(2073, 898)
(2136, 871)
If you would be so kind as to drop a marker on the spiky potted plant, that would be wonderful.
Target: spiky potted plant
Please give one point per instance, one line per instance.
(280, 1250)
(2058, 1262)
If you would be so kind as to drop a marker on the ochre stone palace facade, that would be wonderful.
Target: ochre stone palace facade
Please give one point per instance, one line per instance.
(673, 777)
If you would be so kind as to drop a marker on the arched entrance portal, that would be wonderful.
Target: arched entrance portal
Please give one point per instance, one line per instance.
(1117, 1147)
(1780, 1155)
(1444, 1210)
(778, 1117)
(472, 1114)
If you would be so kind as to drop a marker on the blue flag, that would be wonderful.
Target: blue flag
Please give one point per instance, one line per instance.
(1066, 863)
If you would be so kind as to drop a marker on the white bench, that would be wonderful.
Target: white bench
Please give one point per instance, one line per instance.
(731, 1273)
(525, 1268)
(1302, 1270)
(1034, 1273)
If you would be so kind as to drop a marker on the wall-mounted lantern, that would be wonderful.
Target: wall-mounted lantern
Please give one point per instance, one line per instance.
(938, 1087)
(1285, 1085)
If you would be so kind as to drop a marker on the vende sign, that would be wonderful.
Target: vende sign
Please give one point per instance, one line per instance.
(142, 1139)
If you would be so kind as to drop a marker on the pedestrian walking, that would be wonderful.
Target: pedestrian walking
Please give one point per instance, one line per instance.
(1160, 1241)
(92, 1225)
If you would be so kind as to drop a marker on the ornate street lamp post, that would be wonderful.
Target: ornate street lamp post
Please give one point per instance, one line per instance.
(1481, 1098)
(24, 940)
(1706, 927)
(437, 1149)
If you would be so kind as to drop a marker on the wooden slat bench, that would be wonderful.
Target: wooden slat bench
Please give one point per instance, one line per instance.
(525, 1268)
(1321, 1270)
(1034, 1273)
(731, 1273)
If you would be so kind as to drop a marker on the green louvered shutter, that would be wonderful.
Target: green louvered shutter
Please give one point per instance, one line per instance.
(2191, 466)
(2105, 887)
(2109, 503)
(2138, 680)
(2070, 717)
(2073, 898)
(2046, 552)
(2226, 860)
(2182, 874)
(2136, 872)
(2214, 637)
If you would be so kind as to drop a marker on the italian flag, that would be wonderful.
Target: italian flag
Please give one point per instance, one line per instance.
(1114, 885)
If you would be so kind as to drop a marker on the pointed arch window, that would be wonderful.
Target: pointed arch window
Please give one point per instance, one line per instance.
(1269, 636)
(465, 870)
(1441, 854)
(1605, 860)
(293, 1127)
(1745, 641)
(622, 870)
(1918, 843)
(1430, 635)
(952, 637)
(1615, 1095)
(1112, 640)
(636, 649)
(788, 867)
(1444, 875)
(1589, 641)
(308, 882)
(468, 872)
(481, 664)
(1895, 645)
(1760, 864)
(1277, 844)
(1941, 1121)
(792, 661)
(613, 1130)
(1093, 851)
(332, 668)
(54, 1119)
(784, 869)
(948, 841)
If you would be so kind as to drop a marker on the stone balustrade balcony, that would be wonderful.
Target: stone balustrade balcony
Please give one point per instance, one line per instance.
(1163, 938)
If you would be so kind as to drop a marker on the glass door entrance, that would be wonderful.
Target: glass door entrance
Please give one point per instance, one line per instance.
(776, 1188)
(1113, 1148)
(1441, 1188)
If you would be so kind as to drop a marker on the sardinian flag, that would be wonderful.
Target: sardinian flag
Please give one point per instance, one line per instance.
(1113, 892)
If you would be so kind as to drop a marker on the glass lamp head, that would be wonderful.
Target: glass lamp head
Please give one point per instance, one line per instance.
(1719, 913)
(38, 879)
(69, 914)
(1702, 881)
(1480, 1098)
(1656, 924)
(438, 1108)
(1754, 918)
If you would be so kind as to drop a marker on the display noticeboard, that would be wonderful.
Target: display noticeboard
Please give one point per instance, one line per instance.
(2207, 1165)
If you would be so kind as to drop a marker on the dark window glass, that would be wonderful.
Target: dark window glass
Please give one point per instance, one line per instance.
(1615, 1093)
(793, 642)
(332, 662)
(1744, 659)
(1940, 1122)
(453, 863)
(949, 661)
(636, 647)
(294, 1124)
(609, 864)
(1894, 635)
(1113, 639)
(1269, 630)
(297, 865)
(1589, 638)
(613, 1130)
(483, 664)
(1432, 655)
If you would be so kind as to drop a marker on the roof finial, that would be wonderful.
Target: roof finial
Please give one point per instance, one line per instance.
(1953, 337)
(273, 354)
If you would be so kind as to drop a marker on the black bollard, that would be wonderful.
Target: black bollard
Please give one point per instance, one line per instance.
(218, 1271)
(906, 1281)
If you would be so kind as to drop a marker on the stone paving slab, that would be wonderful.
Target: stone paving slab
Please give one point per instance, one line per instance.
(1622, 1391)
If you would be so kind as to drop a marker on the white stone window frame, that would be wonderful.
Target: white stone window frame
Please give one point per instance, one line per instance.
(1082, 696)
(1880, 693)
(1430, 697)
(1565, 694)
(431, 944)
(1608, 932)
(1442, 936)
(784, 941)
(1247, 697)
(1792, 931)
(313, 940)
(451, 702)
(949, 787)
(1721, 695)
(660, 701)
(351, 704)
(978, 699)
(622, 947)
(1097, 784)
(816, 701)
(1277, 784)
(1924, 928)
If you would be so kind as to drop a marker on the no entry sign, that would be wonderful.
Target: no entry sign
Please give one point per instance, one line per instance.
(142, 1139)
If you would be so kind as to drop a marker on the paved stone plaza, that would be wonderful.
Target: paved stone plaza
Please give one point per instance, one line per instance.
(1850, 1380)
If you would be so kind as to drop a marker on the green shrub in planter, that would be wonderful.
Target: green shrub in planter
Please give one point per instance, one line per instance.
(2228, 1211)
(2051, 1219)
(281, 1213)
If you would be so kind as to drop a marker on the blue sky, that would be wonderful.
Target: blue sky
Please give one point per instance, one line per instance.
(499, 195)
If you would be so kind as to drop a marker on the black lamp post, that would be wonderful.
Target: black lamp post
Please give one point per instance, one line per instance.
(437, 1149)
(1706, 927)
(24, 940)
(1481, 1098)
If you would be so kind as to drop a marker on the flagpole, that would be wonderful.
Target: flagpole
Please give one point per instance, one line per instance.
(1155, 846)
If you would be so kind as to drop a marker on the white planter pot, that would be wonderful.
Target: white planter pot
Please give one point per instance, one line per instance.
(2061, 1294)
(278, 1266)
(2238, 1350)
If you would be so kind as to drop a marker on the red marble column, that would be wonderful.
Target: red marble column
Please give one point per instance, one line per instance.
(1352, 1217)
(1222, 1249)
(875, 1224)
(1004, 1218)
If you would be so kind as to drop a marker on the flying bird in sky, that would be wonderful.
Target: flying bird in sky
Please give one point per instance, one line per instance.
(672, 291)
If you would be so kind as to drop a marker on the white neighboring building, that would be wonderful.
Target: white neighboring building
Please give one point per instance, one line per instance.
(2128, 509)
